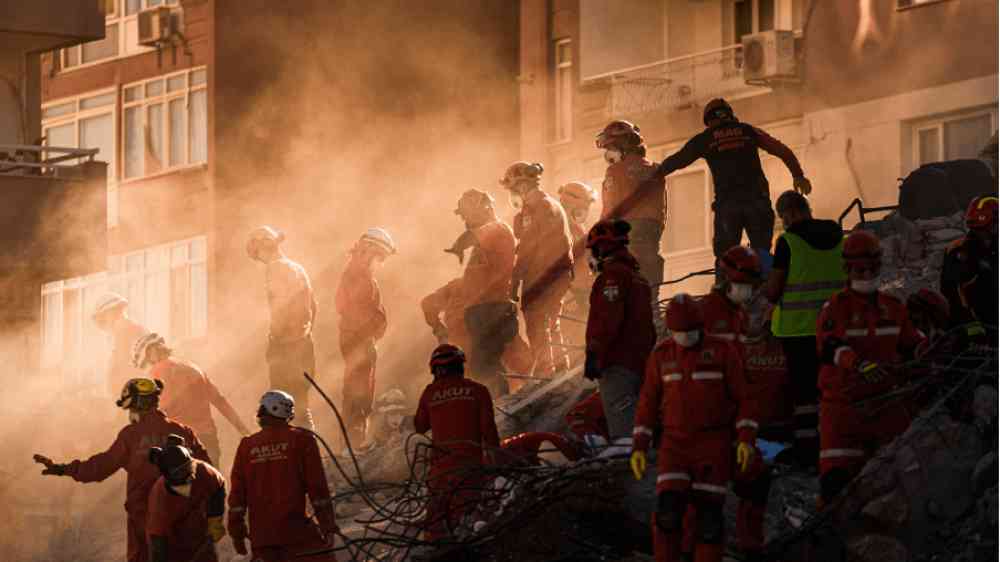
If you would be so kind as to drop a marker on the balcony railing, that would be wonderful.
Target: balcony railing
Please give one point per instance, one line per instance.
(34, 160)
(679, 83)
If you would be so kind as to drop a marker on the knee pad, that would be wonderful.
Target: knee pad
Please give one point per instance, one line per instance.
(710, 522)
(670, 508)
(832, 482)
(755, 490)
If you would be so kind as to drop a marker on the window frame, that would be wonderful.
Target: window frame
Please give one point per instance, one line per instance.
(563, 109)
(938, 123)
(87, 364)
(916, 4)
(123, 22)
(709, 215)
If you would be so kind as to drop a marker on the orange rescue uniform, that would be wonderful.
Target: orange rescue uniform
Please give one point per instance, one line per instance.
(182, 521)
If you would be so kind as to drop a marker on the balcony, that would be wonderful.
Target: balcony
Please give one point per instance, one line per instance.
(52, 161)
(41, 25)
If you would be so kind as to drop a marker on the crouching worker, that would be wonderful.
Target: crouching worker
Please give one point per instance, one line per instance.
(693, 390)
(185, 506)
(459, 413)
(274, 470)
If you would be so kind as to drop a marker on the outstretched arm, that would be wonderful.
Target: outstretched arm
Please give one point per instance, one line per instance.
(777, 148)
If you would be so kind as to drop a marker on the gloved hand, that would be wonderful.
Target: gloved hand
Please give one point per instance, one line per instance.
(240, 545)
(216, 529)
(638, 464)
(465, 241)
(51, 468)
(744, 454)
(327, 519)
(870, 371)
(591, 370)
(441, 333)
(802, 185)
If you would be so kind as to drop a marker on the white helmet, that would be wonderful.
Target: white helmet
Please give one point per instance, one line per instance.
(380, 238)
(108, 302)
(263, 235)
(142, 345)
(278, 404)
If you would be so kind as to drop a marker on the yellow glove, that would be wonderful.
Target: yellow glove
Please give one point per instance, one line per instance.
(216, 529)
(638, 462)
(744, 454)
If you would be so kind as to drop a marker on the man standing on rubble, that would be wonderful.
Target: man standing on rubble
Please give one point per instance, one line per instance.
(362, 323)
(862, 332)
(620, 332)
(634, 193)
(290, 349)
(543, 267)
(742, 196)
(576, 199)
(111, 317)
(459, 414)
(191, 393)
(148, 427)
(275, 469)
(807, 270)
(969, 273)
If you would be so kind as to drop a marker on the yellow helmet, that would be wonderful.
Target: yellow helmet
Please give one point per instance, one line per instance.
(140, 394)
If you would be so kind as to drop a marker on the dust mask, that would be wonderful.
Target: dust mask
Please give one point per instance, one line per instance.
(740, 293)
(612, 156)
(579, 216)
(865, 286)
(516, 201)
(593, 263)
(182, 490)
(686, 339)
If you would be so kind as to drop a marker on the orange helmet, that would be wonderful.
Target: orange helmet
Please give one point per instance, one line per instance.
(982, 212)
(932, 304)
(446, 355)
(614, 231)
(717, 109)
(741, 264)
(861, 247)
(577, 193)
(619, 134)
(683, 313)
(521, 170)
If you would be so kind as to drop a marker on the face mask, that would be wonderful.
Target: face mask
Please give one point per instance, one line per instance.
(740, 293)
(686, 339)
(182, 490)
(579, 216)
(593, 263)
(516, 201)
(865, 286)
(612, 156)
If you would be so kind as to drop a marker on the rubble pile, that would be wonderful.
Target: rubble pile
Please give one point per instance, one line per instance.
(912, 251)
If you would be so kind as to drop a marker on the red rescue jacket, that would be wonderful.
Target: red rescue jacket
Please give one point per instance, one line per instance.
(545, 247)
(632, 190)
(182, 521)
(620, 327)
(723, 319)
(188, 396)
(460, 414)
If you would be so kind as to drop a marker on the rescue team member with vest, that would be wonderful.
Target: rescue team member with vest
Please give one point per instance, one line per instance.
(543, 264)
(576, 199)
(969, 272)
(861, 331)
(191, 394)
(459, 413)
(807, 270)
(148, 427)
(490, 315)
(362, 323)
(742, 196)
(620, 332)
(274, 470)
(292, 305)
(111, 317)
(632, 192)
(185, 506)
(694, 391)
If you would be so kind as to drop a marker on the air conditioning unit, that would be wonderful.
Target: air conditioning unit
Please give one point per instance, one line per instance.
(769, 55)
(155, 26)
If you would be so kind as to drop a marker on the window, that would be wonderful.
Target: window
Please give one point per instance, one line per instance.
(750, 16)
(165, 124)
(121, 34)
(903, 4)
(563, 90)
(962, 136)
(70, 341)
(688, 204)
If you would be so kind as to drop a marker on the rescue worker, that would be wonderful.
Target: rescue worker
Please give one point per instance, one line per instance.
(459, 414)
(766, 373)
(362, 324)
(930, 312)
(587, 418)
(111, 317)
(620, 332)
(543, 264)
(148, 427)
(633, 192)
(576, 199)
(742, 196)
(191, 393)
(694, 391)
(274, 470)
(185, 506)
(806, 271)
(969, 272)
(490, 315)
(861, 333)
(290, 349)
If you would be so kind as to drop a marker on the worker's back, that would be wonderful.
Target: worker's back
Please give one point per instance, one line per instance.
(730, 148)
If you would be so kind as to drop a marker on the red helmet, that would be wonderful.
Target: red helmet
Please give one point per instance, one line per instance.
(932, 304)
(619, 134)
(683, 313)
(614, 231)
(741, 264)
(577, 193)
(982, 212)
(861, 247)
(521, 170)
(446, 355)
(717, 109)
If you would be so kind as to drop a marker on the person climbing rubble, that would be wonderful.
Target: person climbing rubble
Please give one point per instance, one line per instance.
(292, 305)
(490, 315)
(148, 427)
(363, 322)
(807, 270)
(275, 469)
(459, 414)
(543, 266)
(576, 199)
(620, 332)
(863, 335)
(694, 391)
(191, 393)
(186, 506)
(742, 196)
(110, 315)
(969, 273)
(632, 192)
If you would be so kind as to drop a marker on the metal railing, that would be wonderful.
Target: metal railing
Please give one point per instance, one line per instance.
(27, 159)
